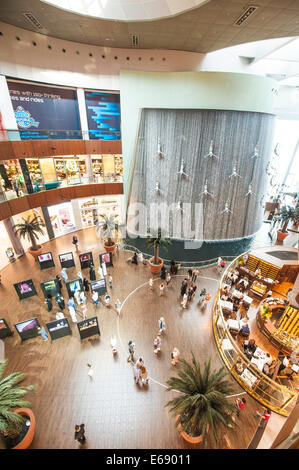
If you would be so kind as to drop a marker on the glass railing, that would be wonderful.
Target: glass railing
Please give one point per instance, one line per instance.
(54, 134)
(278, 398)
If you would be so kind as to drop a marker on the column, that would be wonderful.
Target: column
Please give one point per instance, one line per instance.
(15, 241)
(26, 175)
(82, 113)
(48, 222)
(76, 213)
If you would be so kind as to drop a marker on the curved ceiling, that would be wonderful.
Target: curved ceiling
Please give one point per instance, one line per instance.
(127, 10)
(206, 28)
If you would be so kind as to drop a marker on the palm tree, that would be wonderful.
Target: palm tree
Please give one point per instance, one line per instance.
(156, 243)
(11, 396)
(107, 226)
(30, 228)
(288, 213)
(202, 403)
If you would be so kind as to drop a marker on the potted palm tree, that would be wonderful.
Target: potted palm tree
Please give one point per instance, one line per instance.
(17, 421)
(202, 405)
(156, 242)
(287, 213)
(31, 228)
(107, 228)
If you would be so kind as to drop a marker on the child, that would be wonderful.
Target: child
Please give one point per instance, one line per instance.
(150, 283)
(143, 375)
(110, 281)
(162, 287)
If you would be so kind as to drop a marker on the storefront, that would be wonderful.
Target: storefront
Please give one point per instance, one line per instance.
(35, 174)
(71, 170)
(62, 218)
(107, 168)
(12, 179)
(92, 208)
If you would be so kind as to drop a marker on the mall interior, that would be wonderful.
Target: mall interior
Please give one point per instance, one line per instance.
(149, 165)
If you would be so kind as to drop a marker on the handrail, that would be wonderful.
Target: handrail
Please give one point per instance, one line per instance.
(14, 134)
(184, 264)
(279, 398)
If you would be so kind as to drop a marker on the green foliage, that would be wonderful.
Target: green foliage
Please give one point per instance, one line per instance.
(156, 242)
(11, 396)
(202, 403)
(288, 213)
(107, 227)
(30, 228)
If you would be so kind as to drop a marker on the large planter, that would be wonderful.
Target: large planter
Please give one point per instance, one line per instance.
(155, 268)
(26, 441)
(35, 253)
(184, 435)
(281, 235)
(110, 248)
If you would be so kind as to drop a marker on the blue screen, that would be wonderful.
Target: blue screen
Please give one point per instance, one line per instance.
(103, 115)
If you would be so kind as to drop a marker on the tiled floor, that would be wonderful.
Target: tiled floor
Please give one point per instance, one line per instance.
(116, 412)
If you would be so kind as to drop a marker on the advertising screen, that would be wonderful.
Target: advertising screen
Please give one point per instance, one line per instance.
(107, 258)
(46, 260)
(85, 260)
(67, 260)
(50, 287)
(27, 329)
(73, 286)
(99, 286)
(44, 257)
(44, 112)
(25, 289)
(103, 115)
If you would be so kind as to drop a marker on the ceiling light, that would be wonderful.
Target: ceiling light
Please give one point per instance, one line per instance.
(33, 20)
(248, 12)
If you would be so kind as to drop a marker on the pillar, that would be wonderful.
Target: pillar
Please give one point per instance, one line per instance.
(48, 222)
(15, 241)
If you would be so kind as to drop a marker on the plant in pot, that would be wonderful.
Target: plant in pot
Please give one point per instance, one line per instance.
(107, 228)
(31, 228)
(202, 406)
(156, 242)
(17, 421)
(287, 213)
(266, 311)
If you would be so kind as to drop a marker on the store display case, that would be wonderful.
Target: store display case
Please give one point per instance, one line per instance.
(258, 289)
(118, 164)
(60, 168)
(97, 169)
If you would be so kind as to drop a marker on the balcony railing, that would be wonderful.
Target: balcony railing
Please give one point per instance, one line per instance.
(278, 398)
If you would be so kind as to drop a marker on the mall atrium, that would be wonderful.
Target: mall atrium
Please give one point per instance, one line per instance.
(149, 214)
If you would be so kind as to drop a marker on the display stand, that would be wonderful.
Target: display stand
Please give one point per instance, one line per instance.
(50, 287)
(67, 260)
(88, 327)
(107, 257)
(85, 260)
(46, 260)
(73, 286)
(25, 289)
(4, 329)
(28, 329)
(58, 328)
(98, 286)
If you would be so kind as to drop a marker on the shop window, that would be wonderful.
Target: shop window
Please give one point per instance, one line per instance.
(12, 179)
(62, 218)
(35, 174)
(97, 169)
(91, 209)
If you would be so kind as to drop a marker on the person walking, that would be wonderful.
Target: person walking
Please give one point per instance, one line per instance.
(58, 279)
(185, 300)
(163, 273)
(64, 275)
(92, 274)
(100, 272)
(117, 249)
(134, 259)
(241, 405)
(84, 310)
(202, 294)
(82, 297)
(118, 306)
(150, 284)
(79, 274)
(107, 300)
(80, 433)
(90, 371)
(265, 417)
(71, 301)
(173, 267)
(161, 325)
(195, 274)
(72, 312)
(104, 268)
(161, 288)
(168, 279)
(113, 343)
(143, 375)
(95, 298)
(86, 284)
(190, 293)
(48, 301)
(77, 296)
(42, 331)
(157, 344)
(184, 286)
(60, 301)
(190, 273)
(131, 347)
(110, 281)
(175, 356)
(136, 372)
(75, 241)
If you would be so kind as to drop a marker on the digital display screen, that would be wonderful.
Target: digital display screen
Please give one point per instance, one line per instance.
(66, 257)
(103, 115)
(45, 257)
(24, 287)
(73, 286)
(85, 257)
(27, 325)
(98, 284)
